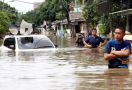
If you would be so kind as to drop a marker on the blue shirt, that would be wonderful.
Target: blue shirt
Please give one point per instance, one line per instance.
(114, 45)
(94, 41)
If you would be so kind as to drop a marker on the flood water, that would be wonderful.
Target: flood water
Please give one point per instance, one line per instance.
(66, 68)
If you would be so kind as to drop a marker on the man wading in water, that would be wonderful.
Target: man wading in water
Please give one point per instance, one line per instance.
(117, 51)
(93, 41)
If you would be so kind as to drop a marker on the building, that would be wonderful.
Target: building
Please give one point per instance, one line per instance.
(124, 12)
(77, 22)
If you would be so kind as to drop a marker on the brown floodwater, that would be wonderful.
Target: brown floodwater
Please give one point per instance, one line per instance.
(66, 68)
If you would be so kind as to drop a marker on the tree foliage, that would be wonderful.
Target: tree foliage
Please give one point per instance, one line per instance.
(50, 10)
(10, 11)
(90, 14)
(8, 16)
(107, 21)
(117, 19)
(4, 22)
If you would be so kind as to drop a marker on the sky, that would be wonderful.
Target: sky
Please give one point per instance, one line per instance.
(20, 6)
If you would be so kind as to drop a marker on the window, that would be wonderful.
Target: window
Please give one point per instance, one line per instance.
(10, 43)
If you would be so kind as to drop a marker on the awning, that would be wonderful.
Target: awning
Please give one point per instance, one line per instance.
(122, 12)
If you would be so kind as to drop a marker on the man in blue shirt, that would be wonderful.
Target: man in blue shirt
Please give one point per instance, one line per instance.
(93, 41)
(117, 51)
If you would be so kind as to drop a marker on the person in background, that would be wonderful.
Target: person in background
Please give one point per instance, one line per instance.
(117, 51)
(79, 40)
(93, 41)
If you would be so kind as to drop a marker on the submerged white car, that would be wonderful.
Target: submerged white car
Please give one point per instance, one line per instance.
(26, 42)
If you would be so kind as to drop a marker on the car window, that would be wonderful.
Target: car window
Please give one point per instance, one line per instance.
(43, 43)
(10, 43)
(25, 42)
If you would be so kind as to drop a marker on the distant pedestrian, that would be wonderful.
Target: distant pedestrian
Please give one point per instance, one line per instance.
(79, 40)
(117, 51)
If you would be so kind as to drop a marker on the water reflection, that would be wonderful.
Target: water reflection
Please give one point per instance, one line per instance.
(63, 42)
(118, 79)
(8, 56)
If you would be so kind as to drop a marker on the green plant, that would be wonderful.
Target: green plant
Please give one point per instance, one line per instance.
(4, 22)
(91, 15)
(102, 29)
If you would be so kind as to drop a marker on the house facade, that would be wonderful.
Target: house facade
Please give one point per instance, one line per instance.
(77, 22)
(124, 12)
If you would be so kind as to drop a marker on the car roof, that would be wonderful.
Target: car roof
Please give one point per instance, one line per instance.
(34, 36)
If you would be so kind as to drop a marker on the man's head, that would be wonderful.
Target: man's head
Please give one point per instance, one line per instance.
(119, 33)
(94, 31)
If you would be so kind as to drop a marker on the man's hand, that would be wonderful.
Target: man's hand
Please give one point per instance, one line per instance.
(109, 56)
(87, 46)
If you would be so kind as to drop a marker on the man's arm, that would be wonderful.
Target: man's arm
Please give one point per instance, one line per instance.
(86, 45)
(122, 53)
(109, 56)
(102, 42)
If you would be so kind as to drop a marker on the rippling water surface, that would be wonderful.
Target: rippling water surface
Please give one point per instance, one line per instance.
(62, 69)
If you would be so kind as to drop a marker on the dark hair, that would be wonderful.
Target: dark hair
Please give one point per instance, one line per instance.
(121, 28)
(94, 29)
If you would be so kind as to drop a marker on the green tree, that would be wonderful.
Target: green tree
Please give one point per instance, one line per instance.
(110, 21)
(8, 16)
(4, 22)
(90, 14)
(10, 11)
(50, 10)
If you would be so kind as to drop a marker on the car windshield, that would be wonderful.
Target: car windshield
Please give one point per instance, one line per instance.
(34, 43)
